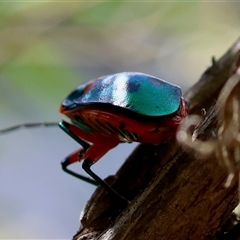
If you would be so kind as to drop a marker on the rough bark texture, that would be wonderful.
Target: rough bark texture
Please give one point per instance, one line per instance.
(174, 194)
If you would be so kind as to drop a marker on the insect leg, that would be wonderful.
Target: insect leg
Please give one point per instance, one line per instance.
(87, 163)
(90, 154)
(74, 157)
(66, 127)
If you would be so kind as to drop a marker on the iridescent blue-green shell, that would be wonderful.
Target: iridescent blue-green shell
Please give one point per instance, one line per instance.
(137, 92)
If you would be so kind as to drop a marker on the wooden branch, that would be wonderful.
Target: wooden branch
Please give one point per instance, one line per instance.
(174, 194)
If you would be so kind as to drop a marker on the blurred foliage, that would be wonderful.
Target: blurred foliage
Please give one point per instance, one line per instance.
(49, 48)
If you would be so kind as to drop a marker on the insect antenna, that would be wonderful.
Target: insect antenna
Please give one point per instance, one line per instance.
(28, 125)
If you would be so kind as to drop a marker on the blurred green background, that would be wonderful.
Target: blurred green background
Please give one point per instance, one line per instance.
(49, 48)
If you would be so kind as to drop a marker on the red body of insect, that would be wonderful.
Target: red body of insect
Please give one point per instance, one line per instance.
(109, 127)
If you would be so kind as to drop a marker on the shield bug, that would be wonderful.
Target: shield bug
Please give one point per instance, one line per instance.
(123, 107)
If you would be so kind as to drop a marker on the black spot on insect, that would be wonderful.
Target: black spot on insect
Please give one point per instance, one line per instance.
(111, 127)
(133, 86)
(101, 127)
(93, 125)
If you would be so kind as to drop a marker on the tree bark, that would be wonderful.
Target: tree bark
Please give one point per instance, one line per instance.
(174, 194)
